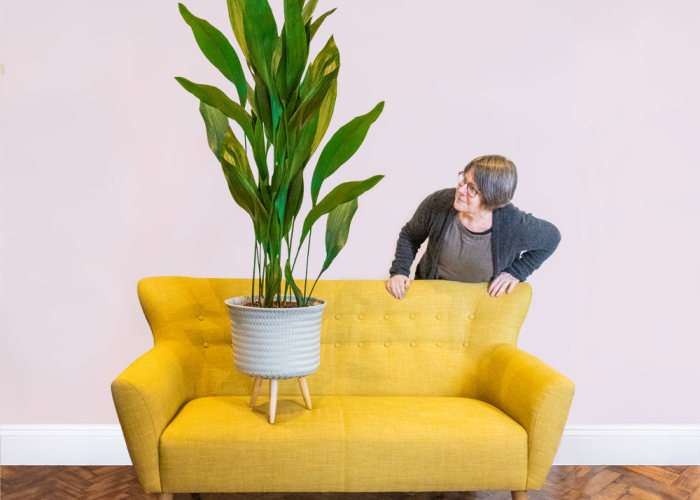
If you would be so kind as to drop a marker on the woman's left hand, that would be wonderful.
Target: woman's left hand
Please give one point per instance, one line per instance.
(503, 282)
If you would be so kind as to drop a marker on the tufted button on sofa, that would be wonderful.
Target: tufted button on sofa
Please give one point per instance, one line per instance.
(428, 393)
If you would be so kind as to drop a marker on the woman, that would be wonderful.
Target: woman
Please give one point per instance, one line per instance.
(474, 233)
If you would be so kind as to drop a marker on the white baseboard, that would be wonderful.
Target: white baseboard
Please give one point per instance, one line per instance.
(629, 445)
(580, 445)
(63, 445)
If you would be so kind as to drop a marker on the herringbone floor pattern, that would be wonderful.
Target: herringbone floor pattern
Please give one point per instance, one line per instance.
(563, 483)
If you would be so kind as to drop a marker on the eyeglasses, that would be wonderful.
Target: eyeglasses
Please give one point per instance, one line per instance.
(471, 188)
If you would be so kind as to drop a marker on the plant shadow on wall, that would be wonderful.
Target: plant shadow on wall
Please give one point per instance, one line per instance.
(291, 106)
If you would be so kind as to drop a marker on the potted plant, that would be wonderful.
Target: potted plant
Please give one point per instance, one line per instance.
(290, 109)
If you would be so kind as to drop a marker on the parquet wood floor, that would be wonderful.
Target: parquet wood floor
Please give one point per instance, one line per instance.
(563, 483)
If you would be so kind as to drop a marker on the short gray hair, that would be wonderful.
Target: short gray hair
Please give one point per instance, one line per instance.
(496, 179)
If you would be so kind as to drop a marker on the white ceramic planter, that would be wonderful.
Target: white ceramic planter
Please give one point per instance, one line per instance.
(276, 343)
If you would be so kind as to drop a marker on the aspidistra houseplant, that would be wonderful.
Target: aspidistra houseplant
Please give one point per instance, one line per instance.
(291, 106)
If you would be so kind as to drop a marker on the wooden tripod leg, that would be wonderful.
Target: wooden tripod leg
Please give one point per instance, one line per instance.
(305, 391)
(273, 399)
(256, 390)
(519, 495)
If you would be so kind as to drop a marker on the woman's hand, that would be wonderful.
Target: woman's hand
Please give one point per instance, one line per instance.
(503, 282)
(397, 285)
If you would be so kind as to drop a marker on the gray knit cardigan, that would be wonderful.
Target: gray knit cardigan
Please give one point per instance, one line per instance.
(520, 243)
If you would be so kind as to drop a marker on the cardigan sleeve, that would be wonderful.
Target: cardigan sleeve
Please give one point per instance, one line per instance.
(539, 240)
(411, 237)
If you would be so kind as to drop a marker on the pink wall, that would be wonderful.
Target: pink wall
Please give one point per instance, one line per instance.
(105, 177)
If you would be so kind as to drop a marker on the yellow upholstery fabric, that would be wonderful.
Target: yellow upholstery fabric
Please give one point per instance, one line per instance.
(346, 443)
(436, 378)
(146, 396)
(534, 395)
(431, 444)
(218, 444)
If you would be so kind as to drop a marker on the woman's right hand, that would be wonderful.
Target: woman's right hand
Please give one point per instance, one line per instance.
(397, 285)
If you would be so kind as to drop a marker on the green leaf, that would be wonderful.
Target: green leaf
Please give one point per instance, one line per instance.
(265, 195)
(341, 194)
(239, 176)
(328, 54)
(326, 61)
(216, 98)
(295, 196)
(317, 23)
(237, 190)
(274, 236)
(308, 10)
(233, 153)
(281, 175)
(273, 280)
(235, 14)
(319, 81)
(258, 144)
(281, 204)
(276, 109)
(251, 100)
(325, 115)
(344, 143)
(296, 48)
(302, 150)
(261, 36)
(338, 229)
(217, 124)
(218, 50)
(262, 103)
(290, 281)
(311, 103)
(292, 99)
(279, 65)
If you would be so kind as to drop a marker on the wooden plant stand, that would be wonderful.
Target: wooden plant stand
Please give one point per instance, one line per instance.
(257, 382)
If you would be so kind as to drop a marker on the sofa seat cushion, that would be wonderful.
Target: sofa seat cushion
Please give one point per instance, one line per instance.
(346, 443)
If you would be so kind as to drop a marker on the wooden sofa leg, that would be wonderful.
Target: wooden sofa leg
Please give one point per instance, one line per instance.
(165, 496)
(305, 392)
(256, 390)
(273, 399)
(519, 495)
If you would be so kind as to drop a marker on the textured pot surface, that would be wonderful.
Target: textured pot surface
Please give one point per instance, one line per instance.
(276, 343)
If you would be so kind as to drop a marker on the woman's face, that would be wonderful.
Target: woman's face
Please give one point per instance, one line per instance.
(463, 201)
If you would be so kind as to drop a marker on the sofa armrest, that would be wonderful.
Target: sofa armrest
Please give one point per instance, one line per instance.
(533, 394)
(146, 396)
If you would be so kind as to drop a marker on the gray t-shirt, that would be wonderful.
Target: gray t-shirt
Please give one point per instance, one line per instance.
(520, 242)
(466, 256)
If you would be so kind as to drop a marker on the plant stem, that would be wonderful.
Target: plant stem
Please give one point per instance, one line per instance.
(291, 239)
(289, 255)
(296, 256)
(255, 258)
(312, 288)
(306, 274)
(260, 273)
(262, 290)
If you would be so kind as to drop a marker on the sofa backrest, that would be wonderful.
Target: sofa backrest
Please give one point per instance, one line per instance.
(371, 343)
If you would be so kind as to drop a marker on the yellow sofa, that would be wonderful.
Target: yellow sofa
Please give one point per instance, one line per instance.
(429, 393)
